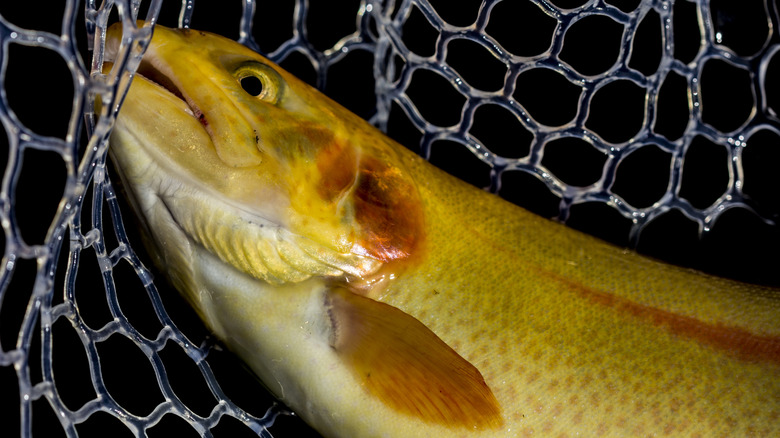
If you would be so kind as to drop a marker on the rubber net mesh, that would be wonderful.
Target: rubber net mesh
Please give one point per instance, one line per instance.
(614, 116)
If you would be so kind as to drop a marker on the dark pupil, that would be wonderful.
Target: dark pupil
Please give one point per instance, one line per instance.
(252, 85)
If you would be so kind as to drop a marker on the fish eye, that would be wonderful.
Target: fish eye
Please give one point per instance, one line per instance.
(259, 81)
(252, 85)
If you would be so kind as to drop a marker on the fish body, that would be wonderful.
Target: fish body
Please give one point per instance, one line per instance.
(378, 296)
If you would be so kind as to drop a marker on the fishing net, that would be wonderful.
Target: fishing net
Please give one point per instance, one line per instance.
(652, 124)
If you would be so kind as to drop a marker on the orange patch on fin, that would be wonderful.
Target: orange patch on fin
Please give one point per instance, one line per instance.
(404, 364)
(388, 210)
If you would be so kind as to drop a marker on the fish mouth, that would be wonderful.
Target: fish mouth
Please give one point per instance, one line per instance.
(148, 71)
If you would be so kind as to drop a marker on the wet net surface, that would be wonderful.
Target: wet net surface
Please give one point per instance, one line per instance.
(650, 124)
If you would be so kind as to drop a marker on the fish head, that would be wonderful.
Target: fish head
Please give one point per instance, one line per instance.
(209, 113)
(240, 172)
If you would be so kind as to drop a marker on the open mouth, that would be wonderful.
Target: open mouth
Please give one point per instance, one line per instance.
(152, 74)
(148, 71)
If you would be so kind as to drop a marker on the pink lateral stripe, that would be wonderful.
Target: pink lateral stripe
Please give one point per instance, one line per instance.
(737, 341)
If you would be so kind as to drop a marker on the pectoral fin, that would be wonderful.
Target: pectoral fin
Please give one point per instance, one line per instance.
(403, 363)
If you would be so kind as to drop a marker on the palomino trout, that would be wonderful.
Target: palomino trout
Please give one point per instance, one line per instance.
(379, 297)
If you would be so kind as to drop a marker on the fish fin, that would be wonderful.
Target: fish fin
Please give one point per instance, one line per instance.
(404, 364)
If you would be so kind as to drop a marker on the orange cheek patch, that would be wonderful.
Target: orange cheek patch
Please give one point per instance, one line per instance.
(337, 164)
(388, 211)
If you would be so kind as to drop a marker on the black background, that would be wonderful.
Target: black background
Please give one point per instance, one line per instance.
(39, 90)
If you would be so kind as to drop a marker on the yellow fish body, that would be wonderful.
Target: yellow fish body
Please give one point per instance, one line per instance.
(378, 296)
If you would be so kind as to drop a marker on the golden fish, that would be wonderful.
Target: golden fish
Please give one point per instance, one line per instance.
(378, 296)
